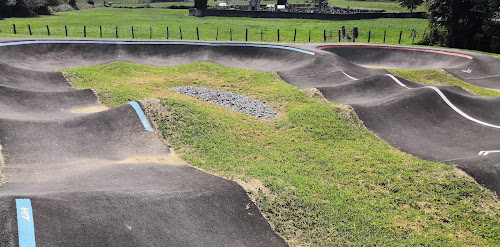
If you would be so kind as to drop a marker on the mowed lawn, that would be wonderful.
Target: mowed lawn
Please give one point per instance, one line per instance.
(375, 5)
(317, 174)
(156, 21)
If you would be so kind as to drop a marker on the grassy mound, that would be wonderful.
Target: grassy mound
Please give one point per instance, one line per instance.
(317, 174)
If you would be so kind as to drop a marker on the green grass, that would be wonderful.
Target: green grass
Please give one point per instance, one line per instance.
(441, 77)
(328, 180)
(387, 6)
(159, 19)
(376, 5)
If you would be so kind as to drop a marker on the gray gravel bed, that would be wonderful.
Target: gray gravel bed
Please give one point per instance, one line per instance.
(232, 101)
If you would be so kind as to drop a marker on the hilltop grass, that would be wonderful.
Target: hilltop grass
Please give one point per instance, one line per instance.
(441, 77)
(159, 19)
(327, 180)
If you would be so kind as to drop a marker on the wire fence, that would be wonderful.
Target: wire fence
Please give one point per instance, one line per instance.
(211, 33)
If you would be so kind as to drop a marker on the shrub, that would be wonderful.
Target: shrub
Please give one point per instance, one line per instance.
(200, 4)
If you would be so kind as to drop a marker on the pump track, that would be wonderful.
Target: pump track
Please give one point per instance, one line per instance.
(87, 179)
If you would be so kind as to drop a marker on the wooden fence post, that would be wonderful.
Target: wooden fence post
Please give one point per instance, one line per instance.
(294, 35)
(66, 30)
(133, 35)
(369, 36)
(197, 34)
(14, 27)
(385, 32)
(309, 35)
(278, 35)
(400, 34)
(84, 31)
(217, 35)
(167, 33)
(116, 31)
(150, 32)
(48, 30)
(29, 28)
(231, 34)
(324, 35)
(100, 31)
(180, 32)
(246, 34)
(339, 35)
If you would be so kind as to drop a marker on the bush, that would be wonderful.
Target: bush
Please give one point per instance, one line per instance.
(23, 8)
(495, 44)
(200, 4)
(61, 8)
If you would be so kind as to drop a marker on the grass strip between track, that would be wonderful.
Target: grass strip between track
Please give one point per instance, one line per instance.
(441, 77)
(326, 179)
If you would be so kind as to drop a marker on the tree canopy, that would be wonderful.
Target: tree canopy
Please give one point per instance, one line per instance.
(464, 23)
(26, 8)
(200, 4)
(281, 2)
(410, 4)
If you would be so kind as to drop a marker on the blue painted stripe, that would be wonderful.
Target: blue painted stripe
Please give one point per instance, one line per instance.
(25, 224)
(141, 115)
(153, 43)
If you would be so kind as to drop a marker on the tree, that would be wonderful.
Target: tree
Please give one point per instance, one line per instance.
(458, 23)
(492, 26)
(200, 4)
(317, 3)
(410, 4)
(23, 8)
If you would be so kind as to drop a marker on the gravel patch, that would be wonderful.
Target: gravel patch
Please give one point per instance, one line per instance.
(232, 101)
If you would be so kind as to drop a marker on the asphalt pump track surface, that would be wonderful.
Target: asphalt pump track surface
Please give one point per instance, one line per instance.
(103, 179)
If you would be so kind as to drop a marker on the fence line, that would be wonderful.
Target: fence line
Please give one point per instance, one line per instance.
(231, 34)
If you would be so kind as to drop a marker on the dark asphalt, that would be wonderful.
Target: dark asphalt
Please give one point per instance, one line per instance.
(71, 165)
(416, 120)
(101, 179)
(475, 68)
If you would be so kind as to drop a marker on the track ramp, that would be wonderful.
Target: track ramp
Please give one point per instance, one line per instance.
(85, 175)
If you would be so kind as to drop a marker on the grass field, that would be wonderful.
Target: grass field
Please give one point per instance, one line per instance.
(160, 19)
(327, 180)
(441, 77)
(387, 6)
